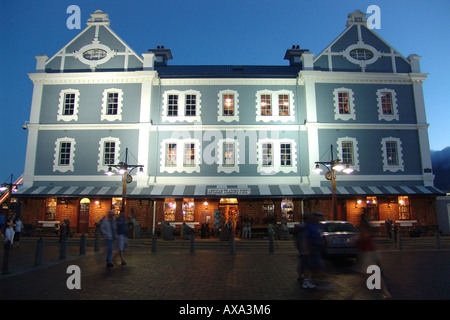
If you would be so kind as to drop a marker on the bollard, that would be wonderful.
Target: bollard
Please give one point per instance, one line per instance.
(97, 242)
(438, 240)
(154, 237)
(83, 245)
(39, 255)
(232, 245)
(271, 249)
(63, 249)
(399, 241)
(192, 250)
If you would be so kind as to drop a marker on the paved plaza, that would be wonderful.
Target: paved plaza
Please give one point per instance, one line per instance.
(213, 272)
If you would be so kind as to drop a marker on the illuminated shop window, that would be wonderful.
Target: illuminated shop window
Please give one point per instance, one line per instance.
(403, 208)
(170, 207)
(188, 209)
(372, 208)
(117, 204)
(287, 210)
(268, 209)
(50, 209)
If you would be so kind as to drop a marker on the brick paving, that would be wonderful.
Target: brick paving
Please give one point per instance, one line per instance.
(173, 273)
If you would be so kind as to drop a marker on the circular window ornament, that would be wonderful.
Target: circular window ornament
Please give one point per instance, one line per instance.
(94, 54)
(361, 54)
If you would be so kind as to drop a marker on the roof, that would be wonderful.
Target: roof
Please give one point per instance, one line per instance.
(227, 71)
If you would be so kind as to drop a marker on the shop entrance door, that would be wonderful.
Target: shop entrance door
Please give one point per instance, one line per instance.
(229, 211)
(83, 216)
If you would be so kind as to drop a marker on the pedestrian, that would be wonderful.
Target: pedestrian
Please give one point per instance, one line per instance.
(313, 246)
(122, 238)
(299, 236)
(109, 231)
(17, 230)
(388, 226)
(395, 231)
(368, 254)
(9, 240)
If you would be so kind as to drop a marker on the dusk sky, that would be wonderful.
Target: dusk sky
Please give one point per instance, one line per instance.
(214, 32)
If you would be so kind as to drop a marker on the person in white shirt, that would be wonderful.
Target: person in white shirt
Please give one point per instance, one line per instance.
(9, 239)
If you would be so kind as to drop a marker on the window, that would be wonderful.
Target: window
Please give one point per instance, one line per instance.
(283, 104)
(392, 154)
(171, 155)
(387, 105)
(228, 106)
(173, 106)
(68, 105)
(64, 155)
(189, 154)
(286, 154)
(181, 106)
(178, 155)
(109, 148)
(361, 54)
(348, 152)
(267, 155)
(266, 105)
(344, 104)
(276, 155)
(268, 209)
(170, 207)
(191, 105)
(50, 209)
(228, 156)
(112, 103)
(403, 208)
(188, 210)
(275, 106)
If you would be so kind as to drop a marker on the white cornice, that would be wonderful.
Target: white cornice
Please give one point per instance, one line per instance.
(360, 77)
(366, 126)
(93, 77)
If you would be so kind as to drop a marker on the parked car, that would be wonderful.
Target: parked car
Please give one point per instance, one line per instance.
(339, 239)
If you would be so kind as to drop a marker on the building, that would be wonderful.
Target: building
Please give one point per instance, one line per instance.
(210, 144)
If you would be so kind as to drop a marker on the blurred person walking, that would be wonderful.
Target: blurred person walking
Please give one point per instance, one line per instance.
(121, 223)
(368, 254)
(109, 231)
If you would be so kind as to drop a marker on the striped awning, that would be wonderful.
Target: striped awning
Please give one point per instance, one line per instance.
(241, 191)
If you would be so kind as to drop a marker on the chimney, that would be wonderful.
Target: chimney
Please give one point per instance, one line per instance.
(294, 55)
(162, 55)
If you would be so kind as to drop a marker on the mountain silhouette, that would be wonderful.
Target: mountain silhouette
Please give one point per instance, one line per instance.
(441, 168)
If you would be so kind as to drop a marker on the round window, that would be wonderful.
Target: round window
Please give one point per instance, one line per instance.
(361, 54)
(94, 54)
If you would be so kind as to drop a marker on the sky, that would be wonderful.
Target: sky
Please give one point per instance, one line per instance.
(214, 32)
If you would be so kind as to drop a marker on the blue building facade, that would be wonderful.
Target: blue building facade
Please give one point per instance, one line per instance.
(219, 143)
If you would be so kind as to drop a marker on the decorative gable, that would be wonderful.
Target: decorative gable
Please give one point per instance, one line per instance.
(359, 49)
(96, 48)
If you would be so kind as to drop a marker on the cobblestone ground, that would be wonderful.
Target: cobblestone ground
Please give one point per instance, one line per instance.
(216, 275)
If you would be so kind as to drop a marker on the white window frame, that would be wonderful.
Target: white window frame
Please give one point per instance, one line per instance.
(220, 152)
(387, 117)
(56, 165)
(101, 152)
(275, 106)
(220, 115)
(386, 166)
(355, 165)
(351, 101)
(180, 154)
(276, 166)
(181, 117)
(112, 117)
(62, 95)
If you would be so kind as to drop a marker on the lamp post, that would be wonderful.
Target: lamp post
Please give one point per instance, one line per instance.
(125, 169)
(332, 166)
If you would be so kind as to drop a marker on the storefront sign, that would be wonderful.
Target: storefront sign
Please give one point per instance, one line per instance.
(228, 191)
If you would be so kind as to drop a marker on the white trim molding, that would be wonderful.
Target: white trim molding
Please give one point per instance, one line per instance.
(399, 153)
(220, 101)
(101, 152)
(57, 166)
(181, 106)
(275, 106)
(105, 102)
(388, 117)
(62, 104)
(351, 115)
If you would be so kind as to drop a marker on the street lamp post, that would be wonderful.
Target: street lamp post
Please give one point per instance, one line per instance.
(10, 188)
(332, 166)
(125, 169)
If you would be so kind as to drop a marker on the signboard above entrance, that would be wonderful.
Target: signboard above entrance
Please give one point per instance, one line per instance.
(228, 191)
